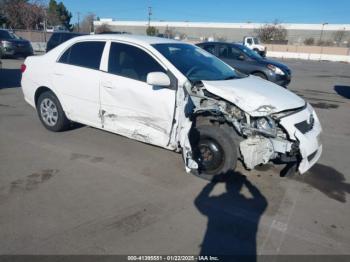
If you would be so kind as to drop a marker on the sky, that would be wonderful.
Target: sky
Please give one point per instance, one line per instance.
(262, 11)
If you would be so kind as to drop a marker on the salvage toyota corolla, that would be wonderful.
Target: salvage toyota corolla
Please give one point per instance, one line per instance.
(173, 95)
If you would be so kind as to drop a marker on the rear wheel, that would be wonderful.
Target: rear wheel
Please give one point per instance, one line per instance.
(215, 152)
(51, 113)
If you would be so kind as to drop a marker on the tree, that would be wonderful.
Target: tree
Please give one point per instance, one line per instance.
(339, 36)
(309, 41)
(87, 25)
(104, 28)
(58, 14)
(152, 31)
(169, 32)
(272, 33)
(21, 14)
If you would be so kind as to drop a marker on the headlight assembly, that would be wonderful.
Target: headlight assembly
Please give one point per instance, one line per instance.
(265, 125)
(275, 69)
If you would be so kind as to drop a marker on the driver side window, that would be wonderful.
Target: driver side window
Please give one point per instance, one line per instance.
(131, 62)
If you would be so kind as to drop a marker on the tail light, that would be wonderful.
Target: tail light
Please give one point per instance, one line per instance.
(23, 68)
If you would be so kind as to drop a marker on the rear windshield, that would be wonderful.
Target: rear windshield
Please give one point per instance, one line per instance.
(8, 35)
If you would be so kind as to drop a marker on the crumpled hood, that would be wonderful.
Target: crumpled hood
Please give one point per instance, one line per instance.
(254, 95)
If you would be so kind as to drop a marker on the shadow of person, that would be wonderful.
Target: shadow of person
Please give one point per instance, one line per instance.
(233, 218)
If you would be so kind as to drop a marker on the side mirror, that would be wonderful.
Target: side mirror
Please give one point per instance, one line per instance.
(158, 79)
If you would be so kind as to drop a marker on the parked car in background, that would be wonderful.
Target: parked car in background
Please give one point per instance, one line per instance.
(174, 95)
(254, 44)
(249, 62)
(58, 38)
(0, 57)
(13, 45)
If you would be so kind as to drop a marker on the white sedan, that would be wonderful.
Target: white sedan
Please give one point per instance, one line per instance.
(173, 95)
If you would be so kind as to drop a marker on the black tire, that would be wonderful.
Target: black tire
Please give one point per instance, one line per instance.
(215, 152)
(61, 123)
(261, 75)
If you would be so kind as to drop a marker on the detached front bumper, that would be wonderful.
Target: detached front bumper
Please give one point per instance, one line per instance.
(304, 127)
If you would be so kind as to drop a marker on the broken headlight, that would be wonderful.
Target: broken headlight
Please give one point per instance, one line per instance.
(265, 125)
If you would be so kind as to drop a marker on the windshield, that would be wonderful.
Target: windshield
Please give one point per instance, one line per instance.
(251, 53)
(195, 63)
(8, 35)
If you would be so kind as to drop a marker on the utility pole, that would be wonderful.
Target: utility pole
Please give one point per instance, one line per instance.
(78, 13)
(149, 15)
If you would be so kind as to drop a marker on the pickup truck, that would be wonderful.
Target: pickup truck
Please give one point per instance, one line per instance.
(254, 44)
(173, 95)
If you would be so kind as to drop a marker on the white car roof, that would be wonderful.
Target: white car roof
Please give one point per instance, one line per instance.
(137, 39)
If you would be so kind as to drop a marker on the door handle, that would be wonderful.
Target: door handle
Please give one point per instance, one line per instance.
(108, 85)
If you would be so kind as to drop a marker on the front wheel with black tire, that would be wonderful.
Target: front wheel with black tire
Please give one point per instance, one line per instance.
(261, 75)
(214, 151)
(51, 113)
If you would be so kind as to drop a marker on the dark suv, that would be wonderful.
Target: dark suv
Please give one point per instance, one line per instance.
(59, 38)
(249, 62)
(13, 45)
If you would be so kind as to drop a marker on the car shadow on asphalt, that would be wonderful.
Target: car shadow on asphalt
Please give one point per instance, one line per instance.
(10, 78)
(327, 180)
(343, 91)
(233, 218)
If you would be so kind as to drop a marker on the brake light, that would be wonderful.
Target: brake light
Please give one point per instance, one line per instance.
(23, 68)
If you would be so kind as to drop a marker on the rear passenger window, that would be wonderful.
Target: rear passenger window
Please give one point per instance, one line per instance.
(132, 62)
(84, 54)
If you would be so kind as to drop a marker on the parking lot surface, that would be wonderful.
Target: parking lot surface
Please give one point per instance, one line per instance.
(86, 191)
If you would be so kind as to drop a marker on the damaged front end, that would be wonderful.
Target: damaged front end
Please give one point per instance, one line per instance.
(264, 134)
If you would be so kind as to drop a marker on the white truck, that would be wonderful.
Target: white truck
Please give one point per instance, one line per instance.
(254, 44)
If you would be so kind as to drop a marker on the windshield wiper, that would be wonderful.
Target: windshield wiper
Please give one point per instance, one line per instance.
(230, 77)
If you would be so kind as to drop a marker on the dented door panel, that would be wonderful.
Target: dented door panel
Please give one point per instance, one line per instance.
(137, 110)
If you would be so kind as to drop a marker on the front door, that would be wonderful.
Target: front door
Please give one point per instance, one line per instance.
(131, 107)
(231, 56)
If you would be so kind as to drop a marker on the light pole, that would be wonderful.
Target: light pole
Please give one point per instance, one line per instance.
(322, 32)
(149, 15)
(78, 13)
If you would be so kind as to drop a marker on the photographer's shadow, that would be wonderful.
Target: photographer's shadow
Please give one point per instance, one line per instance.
(233, 218)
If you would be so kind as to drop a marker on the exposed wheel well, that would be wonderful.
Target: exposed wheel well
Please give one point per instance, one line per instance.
(39, 91)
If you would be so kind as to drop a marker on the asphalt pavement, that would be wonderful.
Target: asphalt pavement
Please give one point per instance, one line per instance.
(86, 191)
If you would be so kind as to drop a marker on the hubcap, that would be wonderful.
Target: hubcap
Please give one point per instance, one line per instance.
(48, 112)
(211, 155)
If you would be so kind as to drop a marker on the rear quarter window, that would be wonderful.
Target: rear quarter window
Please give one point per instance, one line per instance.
(84, 54)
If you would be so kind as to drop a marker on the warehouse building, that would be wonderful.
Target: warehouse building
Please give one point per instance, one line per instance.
(296, 33)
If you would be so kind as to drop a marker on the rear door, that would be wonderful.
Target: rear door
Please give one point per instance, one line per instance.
(77, 78)
(131, 107)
